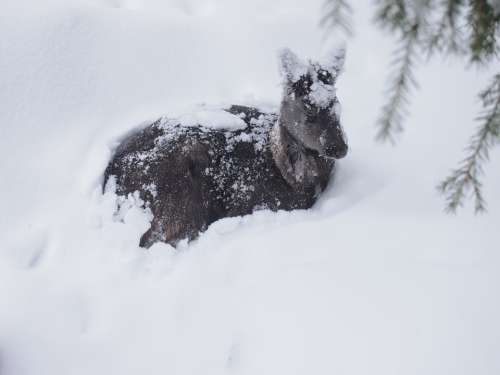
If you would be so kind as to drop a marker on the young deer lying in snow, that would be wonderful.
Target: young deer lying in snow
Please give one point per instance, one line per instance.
(192, 175)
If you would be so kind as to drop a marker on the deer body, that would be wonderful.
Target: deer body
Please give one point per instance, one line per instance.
(191, 176)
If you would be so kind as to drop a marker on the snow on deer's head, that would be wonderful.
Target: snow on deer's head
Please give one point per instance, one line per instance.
(309, 110)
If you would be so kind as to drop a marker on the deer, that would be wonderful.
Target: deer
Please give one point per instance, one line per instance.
(191, 175)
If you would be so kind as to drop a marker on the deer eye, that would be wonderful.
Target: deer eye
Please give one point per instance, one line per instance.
(303, 85)
(325, 77)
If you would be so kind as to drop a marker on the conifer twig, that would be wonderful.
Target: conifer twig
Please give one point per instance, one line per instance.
(337, 15)
(466, 178)
(403, 80)
(465, 28)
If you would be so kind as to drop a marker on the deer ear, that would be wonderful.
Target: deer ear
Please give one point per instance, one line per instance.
(291, 67)
(333, 60)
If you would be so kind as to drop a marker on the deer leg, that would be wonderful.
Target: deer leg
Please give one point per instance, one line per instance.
(181, 209)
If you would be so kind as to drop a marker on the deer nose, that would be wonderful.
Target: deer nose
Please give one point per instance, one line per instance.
(337, 151)
(341, 152)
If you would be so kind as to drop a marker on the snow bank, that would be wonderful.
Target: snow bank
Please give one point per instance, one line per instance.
(374, 279)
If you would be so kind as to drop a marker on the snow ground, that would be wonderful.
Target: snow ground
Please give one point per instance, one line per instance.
(374, 279)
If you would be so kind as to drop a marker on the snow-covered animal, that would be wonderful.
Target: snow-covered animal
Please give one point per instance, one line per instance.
(192, 173)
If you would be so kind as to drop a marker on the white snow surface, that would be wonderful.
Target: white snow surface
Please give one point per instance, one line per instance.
(375, 279)
(210, 118)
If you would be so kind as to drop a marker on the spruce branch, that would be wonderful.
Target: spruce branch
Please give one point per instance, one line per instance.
(466, 179)
(484, 27)
(392, 15)
(403, 80)
(464, 28)
(337, 16)
(447, 37)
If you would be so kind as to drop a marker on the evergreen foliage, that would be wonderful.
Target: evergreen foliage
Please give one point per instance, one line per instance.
(469, 29)
(337, 14)
(467, 176)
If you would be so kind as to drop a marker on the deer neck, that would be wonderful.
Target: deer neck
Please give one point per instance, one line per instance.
(297, 166)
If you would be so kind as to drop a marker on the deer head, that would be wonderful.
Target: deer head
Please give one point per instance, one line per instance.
(309, 110)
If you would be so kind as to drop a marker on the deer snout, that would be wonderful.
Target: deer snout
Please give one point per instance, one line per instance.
(337, 151)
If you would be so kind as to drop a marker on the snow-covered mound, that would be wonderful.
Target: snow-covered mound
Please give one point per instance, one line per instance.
(374, 279)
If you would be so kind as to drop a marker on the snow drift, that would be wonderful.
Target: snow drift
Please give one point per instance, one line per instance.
(373, 279)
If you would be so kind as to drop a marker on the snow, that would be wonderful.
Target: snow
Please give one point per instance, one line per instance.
(258, 134)
(321, 94)
(294, 68)
(214, 118)
(374, 279)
